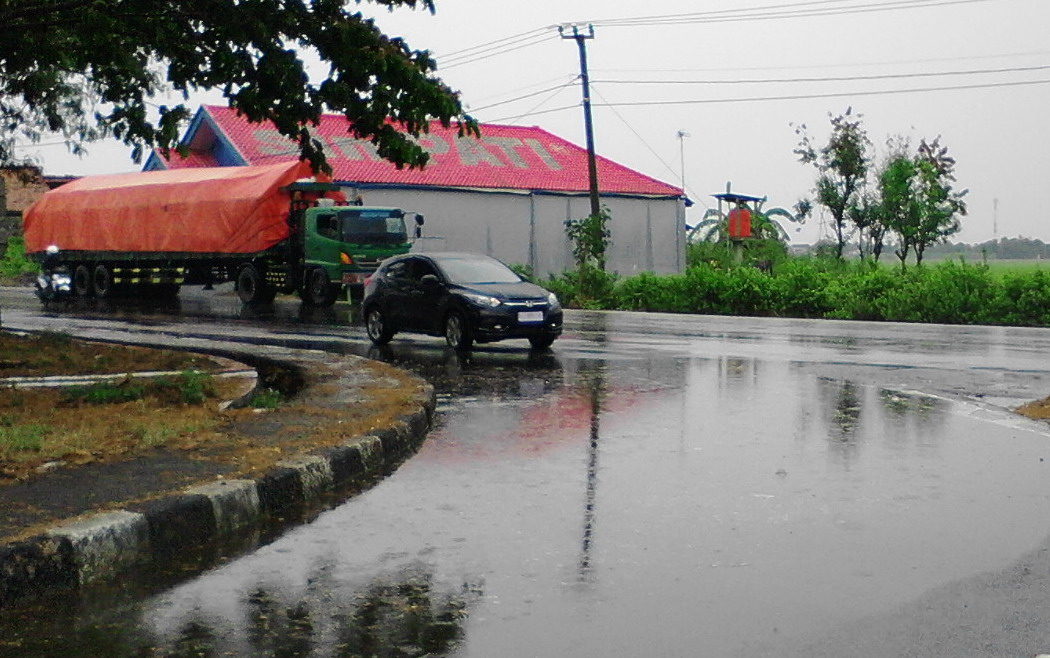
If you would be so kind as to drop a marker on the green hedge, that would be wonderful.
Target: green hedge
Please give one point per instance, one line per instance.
(950, 292)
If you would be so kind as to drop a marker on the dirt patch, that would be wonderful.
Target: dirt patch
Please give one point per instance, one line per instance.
(1038, 410)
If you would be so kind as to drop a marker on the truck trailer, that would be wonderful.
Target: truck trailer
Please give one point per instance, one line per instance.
(269, 229)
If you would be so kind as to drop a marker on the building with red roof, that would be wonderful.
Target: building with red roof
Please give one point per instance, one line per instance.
(507, 193)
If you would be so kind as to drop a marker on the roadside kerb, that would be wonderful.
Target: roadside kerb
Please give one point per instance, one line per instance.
(105, 545)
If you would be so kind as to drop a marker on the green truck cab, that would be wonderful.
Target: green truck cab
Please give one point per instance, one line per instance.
(349, 242)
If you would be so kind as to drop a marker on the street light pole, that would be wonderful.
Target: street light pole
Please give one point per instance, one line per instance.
(592, 164)
(681, 155)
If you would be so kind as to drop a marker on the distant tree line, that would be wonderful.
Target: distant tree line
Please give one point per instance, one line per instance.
(1019, 248)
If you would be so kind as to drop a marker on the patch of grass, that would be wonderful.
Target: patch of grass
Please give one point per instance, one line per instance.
(104, 393)
(55, 353)
(267, 398)
(22, 438)
(190, 387)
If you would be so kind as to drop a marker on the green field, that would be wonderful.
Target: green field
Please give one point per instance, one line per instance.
(1011, 266)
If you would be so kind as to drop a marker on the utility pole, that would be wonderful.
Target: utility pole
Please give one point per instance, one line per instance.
(592, 164)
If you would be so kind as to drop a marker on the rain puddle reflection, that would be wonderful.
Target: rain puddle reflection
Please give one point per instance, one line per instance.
(604, 503)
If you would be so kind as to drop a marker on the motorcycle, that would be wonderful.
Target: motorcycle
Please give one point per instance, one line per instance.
(51, 285)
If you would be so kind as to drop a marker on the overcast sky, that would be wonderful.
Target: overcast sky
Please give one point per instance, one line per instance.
(735, 76)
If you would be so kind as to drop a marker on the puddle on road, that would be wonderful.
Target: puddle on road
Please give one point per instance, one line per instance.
(647, 507)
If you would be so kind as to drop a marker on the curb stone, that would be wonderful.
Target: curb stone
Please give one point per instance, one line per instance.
(105, 545)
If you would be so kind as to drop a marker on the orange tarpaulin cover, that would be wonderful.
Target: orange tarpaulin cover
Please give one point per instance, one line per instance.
(236, 210)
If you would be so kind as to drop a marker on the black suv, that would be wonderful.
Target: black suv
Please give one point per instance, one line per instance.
(466, 298)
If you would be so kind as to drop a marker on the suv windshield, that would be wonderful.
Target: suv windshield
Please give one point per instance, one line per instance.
(371, 227)
(462, 270)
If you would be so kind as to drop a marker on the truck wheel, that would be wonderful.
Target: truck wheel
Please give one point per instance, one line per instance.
(82, 286)
(102, 282)
(319, 289)
(252, 288)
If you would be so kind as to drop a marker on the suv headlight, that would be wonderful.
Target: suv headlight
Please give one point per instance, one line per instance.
(552, 299)
(482, 300)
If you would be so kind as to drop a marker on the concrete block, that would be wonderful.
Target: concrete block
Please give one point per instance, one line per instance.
(235, 504)
(106, 544)
(315, 474)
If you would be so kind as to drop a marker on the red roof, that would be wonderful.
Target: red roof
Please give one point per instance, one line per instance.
(505, 157)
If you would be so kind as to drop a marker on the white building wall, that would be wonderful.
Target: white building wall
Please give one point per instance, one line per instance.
(529, 229)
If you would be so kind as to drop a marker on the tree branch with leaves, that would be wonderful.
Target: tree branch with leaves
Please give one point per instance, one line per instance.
(90, 69)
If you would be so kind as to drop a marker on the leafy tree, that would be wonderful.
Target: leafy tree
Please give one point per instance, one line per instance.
(842, 168)
(88, 69)
(919, 202)
(899, 208)
(939, 203)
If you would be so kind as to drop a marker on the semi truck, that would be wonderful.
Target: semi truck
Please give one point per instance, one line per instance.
(269, 229)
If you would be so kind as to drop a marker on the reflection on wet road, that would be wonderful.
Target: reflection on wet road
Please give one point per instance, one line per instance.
(656, 485)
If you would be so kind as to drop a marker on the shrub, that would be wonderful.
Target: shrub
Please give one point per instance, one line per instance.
(14, 262)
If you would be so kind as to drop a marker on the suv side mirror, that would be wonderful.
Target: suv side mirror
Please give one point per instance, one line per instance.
(430, 281)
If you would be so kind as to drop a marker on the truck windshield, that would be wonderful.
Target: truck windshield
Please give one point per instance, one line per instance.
(372, 227)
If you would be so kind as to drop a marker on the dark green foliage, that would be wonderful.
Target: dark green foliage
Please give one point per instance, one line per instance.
(187, 388)
(89, 69)
(14, 262)
(949, 293)
(125, 391)
(1023, 299)
(586, 287)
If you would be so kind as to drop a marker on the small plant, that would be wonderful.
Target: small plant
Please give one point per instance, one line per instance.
(267, 398)
(524, 271)
(190, 387)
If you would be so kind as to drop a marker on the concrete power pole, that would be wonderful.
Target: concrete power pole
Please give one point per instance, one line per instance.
(592, 165)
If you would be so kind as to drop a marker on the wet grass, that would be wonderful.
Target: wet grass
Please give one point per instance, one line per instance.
(101, 421)
(128, 417)
(104, 422)
(52, 353)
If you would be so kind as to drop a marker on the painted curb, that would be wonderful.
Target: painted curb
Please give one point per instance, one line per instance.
(105, 545)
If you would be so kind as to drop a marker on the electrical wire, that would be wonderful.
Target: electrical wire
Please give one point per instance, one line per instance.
(526, 96)
(775, 12)
(641, 139)
(851, 78)
(828, 65)
(500, 49)
(882, 92)
(792, 97)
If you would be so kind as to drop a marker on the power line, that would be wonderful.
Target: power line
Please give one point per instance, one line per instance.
(641, 139)
(830, 65)
(886, 92)
(501, 49)
(774, 12)
(851, 78)
(759, 99)
(495, 43)
(525, 96)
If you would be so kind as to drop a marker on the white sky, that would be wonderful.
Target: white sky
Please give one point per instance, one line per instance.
(997, 133)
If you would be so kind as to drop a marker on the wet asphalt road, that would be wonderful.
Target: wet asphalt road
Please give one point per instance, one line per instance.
(655, 485)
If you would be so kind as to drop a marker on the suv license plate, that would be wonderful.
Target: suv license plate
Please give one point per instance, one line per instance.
(525, 317)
